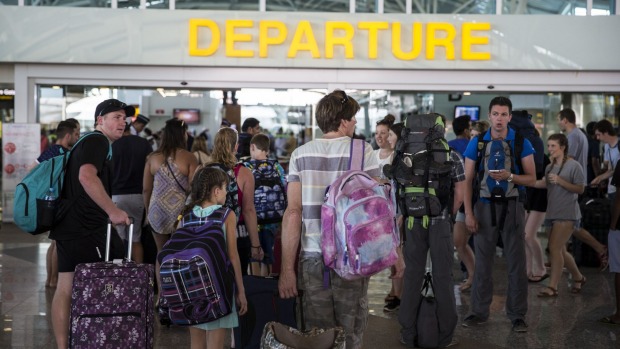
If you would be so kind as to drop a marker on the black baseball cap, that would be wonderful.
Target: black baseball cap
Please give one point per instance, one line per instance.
(110, 105)
(143, 119)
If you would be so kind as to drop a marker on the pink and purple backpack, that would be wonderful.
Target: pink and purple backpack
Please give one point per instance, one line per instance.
(359, 231)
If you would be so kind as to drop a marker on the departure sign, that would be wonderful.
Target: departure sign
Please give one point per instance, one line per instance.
(244, 38)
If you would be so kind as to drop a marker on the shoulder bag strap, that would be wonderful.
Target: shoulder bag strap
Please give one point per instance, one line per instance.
(357, 154)
(199, 157)
(175, 177)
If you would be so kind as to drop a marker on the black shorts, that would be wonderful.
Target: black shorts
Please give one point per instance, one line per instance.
(536, 200)
(87, 249)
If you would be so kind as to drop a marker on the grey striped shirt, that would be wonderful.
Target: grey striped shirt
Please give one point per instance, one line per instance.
(316, 165)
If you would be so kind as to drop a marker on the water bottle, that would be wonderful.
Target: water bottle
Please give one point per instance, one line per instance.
(46, 210)
(50, 196)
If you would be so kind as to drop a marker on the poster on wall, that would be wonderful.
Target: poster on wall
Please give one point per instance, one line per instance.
(21, 145)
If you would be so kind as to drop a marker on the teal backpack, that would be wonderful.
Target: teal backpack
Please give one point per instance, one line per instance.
(31, 213)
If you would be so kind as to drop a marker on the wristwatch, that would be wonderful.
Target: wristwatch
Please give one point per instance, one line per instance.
(510, 178)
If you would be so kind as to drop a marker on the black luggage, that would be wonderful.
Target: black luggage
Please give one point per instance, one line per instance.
(595, 218)
(264, 305)
(112, 303)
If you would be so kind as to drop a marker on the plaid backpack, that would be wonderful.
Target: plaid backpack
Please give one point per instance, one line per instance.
(197, 277)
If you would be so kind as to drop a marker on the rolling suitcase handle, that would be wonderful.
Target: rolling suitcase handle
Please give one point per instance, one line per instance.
(109, 237)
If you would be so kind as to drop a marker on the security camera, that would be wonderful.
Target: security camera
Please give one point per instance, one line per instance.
(490, 87)
(184, 83)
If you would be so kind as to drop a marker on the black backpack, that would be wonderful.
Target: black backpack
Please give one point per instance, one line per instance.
(522, 123)
(422, 167)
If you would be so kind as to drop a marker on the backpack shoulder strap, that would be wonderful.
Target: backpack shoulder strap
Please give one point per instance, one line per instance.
(220, 214)
(481, 149)
(357, 154)
(518, 150)
(237, 168)
(249, 165)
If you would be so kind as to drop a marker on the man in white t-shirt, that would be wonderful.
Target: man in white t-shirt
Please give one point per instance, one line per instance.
(605, 132)
(314, 166)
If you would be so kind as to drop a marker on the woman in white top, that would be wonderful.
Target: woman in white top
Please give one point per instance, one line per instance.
(385, 153)
(564, 180)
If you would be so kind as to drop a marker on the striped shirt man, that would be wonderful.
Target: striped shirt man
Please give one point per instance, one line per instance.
(316, 165)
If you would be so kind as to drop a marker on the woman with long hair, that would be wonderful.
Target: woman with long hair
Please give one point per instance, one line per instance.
(385, 153)
(240, 196)
(200, 150)
(564, 180)
(167, 177)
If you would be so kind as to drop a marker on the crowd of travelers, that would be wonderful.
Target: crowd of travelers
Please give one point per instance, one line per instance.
(169, 179)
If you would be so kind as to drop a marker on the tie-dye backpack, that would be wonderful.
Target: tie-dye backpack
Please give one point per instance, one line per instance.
(359, 232)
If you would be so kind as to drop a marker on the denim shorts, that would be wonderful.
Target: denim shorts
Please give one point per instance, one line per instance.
(613, 244)
(460, 217)
(576, 222)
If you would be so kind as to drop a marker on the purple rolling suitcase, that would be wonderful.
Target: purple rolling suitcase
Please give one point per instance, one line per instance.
(112, 303)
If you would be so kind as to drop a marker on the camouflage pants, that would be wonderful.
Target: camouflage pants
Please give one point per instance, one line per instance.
(344, 303)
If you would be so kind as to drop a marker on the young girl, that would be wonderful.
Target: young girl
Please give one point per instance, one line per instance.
(564, 180)
(209, 190)
(392, 301)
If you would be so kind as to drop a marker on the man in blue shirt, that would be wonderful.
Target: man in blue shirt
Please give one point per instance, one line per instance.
(479, 221)
(67, 133)
(461, 127)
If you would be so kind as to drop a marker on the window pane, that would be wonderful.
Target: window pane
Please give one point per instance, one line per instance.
(394, 6)
(129, 4)
(68, 3)
(566, 8)
(308, 6)
(460, 6)
(238, 5)
(603, 7)
(365, 6)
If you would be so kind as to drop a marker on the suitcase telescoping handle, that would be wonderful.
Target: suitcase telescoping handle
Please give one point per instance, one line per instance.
(109, 237)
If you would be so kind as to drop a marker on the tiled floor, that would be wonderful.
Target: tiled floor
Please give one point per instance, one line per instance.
(566, 322)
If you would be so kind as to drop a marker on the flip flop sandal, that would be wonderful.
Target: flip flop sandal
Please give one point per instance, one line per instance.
(543, 294)
(581, 282)
(535, 278)
(607, 320)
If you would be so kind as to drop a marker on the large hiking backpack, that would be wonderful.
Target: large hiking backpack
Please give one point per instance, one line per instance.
(30, 212)
(197, 277)
(269, 191)
(359, 233)
(422, 167)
